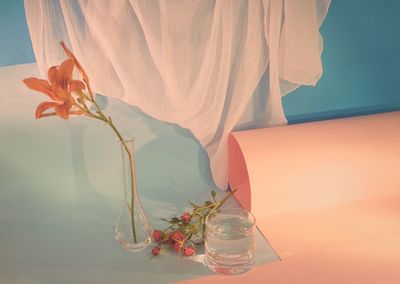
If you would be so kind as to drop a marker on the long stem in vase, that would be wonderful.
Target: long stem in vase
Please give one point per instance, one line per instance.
(101, 116)
(131, 169)
(133, 192)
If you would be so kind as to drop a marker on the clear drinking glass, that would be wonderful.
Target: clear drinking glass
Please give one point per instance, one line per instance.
(230, 241)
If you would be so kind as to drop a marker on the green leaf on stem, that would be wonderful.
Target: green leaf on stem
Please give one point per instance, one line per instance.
(165, 220)
(213, 194)
(173, 221)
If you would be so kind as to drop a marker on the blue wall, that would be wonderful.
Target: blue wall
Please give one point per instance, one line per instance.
(361, 62)
(361, 59)
(15, 43)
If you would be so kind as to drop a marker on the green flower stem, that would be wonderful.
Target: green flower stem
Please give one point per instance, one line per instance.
(100, 115)
(132, 175)
(222, 201)
(213, 206)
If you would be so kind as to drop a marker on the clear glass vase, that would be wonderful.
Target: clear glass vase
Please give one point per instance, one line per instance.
(133, 230)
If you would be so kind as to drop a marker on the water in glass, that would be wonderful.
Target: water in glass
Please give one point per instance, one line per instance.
(230, 241)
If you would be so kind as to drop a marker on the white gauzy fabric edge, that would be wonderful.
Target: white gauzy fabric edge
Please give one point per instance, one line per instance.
(195, 63)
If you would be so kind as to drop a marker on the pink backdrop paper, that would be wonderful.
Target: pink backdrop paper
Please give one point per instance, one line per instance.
(375, 261)
(327, 197)
(316, 164)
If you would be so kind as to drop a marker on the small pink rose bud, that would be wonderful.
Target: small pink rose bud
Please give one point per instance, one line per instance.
(177, 246)
(189, 251)
(176, 236)
(176, 240)
(156, 235)
(185, 217)
(156, 251)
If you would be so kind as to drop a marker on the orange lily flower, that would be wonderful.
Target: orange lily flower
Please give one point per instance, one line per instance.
(59, 88)
(85, 77)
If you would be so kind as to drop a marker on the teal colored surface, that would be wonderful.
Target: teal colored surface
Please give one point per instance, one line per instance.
(15, 42)
(361, 61)
(61, 190)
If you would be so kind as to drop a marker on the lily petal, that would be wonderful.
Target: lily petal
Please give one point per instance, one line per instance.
(41, 86)
(61, 94)
(43, 107)
(52, 75)
(64, 73)
(76, 85)
(62, 111)
(77, 64)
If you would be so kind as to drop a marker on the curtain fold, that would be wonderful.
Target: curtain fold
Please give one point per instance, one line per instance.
(209, 66)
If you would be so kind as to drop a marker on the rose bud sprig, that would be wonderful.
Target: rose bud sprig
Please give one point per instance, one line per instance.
(186, 232)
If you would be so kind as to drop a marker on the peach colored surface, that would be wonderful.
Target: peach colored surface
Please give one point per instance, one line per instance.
(319, 229)
(327, 197)
(375, 261)
(317, 164)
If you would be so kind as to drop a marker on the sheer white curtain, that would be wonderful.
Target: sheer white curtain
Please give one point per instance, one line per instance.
(196, 63)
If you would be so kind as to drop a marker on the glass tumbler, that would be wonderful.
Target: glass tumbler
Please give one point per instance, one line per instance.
(230, 241)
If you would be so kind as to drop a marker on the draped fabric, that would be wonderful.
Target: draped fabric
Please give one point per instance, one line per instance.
(206, 65)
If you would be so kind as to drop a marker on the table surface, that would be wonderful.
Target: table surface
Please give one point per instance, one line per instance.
(61, 190)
